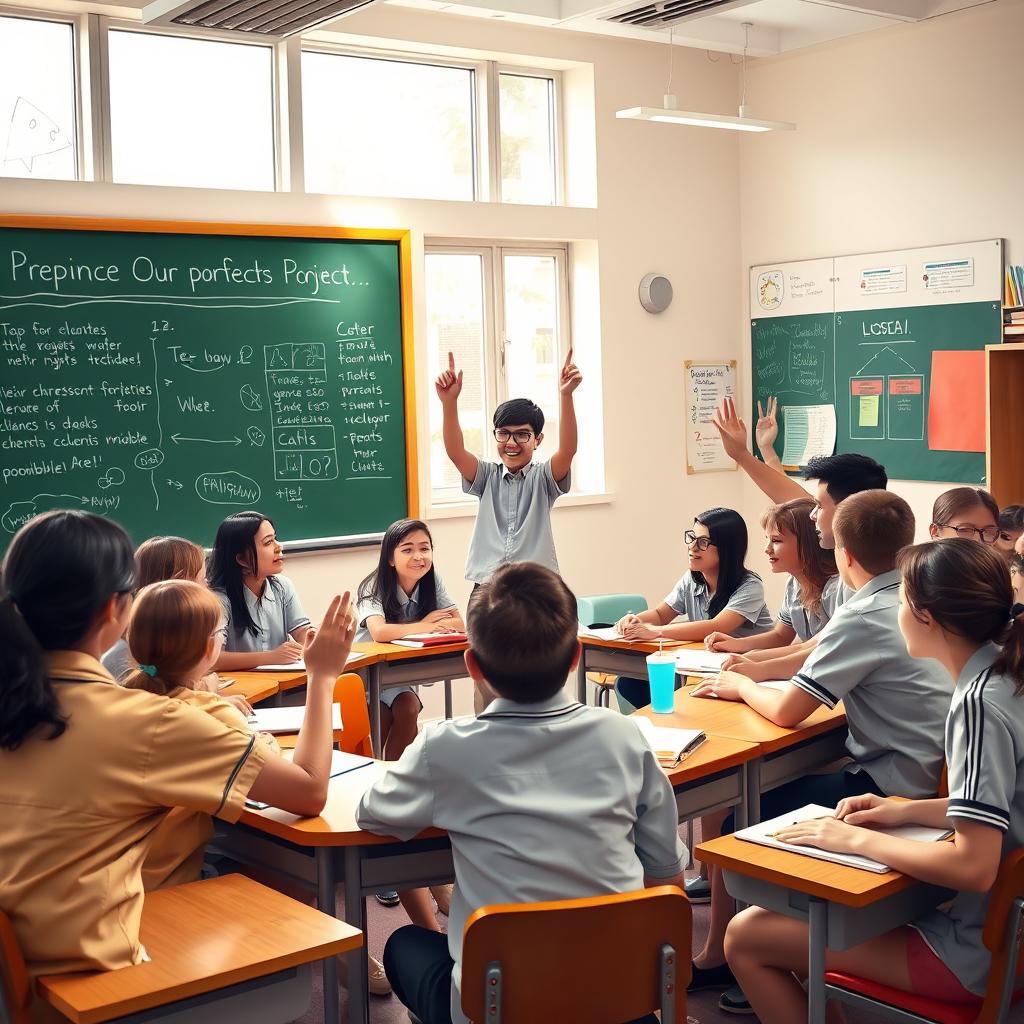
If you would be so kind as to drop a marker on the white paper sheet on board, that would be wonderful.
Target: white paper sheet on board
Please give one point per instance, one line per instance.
(810, 431)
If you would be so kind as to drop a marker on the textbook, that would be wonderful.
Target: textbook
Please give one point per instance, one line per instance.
(430, 639)
(693, 662)
(341, 764)
(282, 720)
(764, 834)
(670, 745)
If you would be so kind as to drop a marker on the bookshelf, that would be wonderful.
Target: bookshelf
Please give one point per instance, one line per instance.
(1004, 420)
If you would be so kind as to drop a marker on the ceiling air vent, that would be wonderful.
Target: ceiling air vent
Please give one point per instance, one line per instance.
(275, 18)
(671, 12)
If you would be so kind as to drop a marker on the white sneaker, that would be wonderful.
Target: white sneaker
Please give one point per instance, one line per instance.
(376, 980)
(443, 898)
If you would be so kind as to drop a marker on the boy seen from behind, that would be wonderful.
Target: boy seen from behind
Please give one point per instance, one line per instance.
(543, 798)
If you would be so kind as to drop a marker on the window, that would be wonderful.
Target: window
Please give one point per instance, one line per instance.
(502, 312)
(191, 112)
(527, 119)
(37, 99)
(388, 127)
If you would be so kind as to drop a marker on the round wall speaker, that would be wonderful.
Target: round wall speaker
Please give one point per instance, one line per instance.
(655, 293)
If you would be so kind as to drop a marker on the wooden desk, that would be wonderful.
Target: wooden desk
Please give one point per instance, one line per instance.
(203, 937)
(618, 658)
(253, 686)
(843, 906)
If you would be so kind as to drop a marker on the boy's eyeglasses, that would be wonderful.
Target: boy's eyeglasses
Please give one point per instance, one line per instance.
(987, 534)
(700, 543)
(521, 436)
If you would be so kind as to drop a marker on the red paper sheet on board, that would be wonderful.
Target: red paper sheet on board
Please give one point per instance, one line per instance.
(956, 403)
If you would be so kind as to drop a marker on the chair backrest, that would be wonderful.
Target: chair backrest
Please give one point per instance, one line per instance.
(15, 988)
(608, 608)
(1003, 932)
(354, 737)
(601, 959)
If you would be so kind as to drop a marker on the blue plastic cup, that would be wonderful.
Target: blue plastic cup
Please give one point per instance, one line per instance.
(661, 672)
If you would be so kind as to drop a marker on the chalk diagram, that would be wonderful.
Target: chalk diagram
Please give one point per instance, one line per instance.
(887, 397)
(32, 134)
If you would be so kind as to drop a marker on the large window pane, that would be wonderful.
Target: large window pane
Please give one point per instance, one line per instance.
(531, 327)
(527, 139)
(37, 99)
(455, 323)
(191, 112)
(387, 128)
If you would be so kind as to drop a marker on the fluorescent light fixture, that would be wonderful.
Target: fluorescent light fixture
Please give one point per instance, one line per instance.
(672, 116)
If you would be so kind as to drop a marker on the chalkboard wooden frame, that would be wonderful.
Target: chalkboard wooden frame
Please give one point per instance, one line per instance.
(400, 236)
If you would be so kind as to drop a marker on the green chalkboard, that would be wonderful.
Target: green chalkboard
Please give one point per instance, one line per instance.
(167, 375)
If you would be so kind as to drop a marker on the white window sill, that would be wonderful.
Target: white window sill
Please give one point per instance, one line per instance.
(468, 509)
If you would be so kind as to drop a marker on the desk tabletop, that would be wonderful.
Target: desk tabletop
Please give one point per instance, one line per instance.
(836, 883)
(715, 754)
(739, 721)
(640, 647)
(396, 652)
(253, 686)
(201, 937)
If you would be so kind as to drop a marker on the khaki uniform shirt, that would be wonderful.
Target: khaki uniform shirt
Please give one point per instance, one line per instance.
(79, 811)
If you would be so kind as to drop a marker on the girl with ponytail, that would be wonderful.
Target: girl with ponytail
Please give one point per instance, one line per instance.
(956, 607)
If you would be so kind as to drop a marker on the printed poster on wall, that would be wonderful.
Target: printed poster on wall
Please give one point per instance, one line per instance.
(706, 385)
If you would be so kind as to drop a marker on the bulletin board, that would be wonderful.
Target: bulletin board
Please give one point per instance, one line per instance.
(894, 342)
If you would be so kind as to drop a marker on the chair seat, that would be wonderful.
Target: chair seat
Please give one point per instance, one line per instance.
(930, 1009)
(602, 679)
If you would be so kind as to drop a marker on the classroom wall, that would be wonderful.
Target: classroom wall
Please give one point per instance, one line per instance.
(666, 202)
(905, 137)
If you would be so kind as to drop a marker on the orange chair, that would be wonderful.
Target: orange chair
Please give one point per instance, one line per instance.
(354, 736)
(15, 988)
(1002, 935)
(529, 962)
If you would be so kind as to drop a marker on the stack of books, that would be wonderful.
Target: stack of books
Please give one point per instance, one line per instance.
(1013, 322)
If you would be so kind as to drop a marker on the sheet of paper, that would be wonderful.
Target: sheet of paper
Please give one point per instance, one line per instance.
(667, 741)
(289, 719)
(810, 431)
(956, 402)
(693, 662)
(292, 666)
(705, 386)
(869, 410)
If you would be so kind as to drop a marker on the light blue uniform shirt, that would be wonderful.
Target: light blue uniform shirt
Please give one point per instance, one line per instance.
(546, 801)
(985, 755)
(690, 597)
(276, 614)
(514, 520)
(409, 605)
(803, 622)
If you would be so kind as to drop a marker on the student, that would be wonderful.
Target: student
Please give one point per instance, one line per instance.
(895, 705)
(1011, 528)
(595, 795)
(810, 598)
(955, 610)
(177, 630)
(968, 512)
(105, 761)
(516, 493)
(1017, 578)
(156, 559)
(403, 595)
(717, 594)
(266, 623)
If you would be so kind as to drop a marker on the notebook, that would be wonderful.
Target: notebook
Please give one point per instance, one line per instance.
(341, 764)
(299, 666)
(281, 720)
(764, 834)
(669, 744)
(611, 633)
(430, 639)
(693, 662)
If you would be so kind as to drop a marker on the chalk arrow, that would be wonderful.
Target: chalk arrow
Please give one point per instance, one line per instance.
(167, 382)
(176, 484)
(212, 369)
(178, 438)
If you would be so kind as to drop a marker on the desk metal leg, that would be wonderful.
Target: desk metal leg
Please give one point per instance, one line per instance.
(325, 897)
(355, 915)
(581, 678)
(750, 812)
(378, 750)
(447, 698)
(818, 921)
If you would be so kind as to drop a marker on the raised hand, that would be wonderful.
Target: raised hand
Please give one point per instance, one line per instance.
(766, 430)
(731, 429)
(449, 384)
(571, 378)
(326, 653)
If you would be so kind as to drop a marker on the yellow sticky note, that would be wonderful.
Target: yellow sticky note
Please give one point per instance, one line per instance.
(869, 410)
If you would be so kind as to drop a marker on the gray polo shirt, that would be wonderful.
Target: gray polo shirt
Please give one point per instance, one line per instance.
(804, 623)
(985, 755)
(546, 801)
(408, 603)
(276, 613)
(514, 520)
(690, 597)
(895, 704)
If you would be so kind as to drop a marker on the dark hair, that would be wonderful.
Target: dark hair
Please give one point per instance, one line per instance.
(60, 571)
(958, 500)
(520, 410)
(729, 535)
(380, 586)
(237, 536)
(873, 526)
(964, 586)
(848, 474)
(522, 631)
(1012, 518)
(817, 564)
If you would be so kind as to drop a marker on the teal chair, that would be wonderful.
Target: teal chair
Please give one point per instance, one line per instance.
(606, 610)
